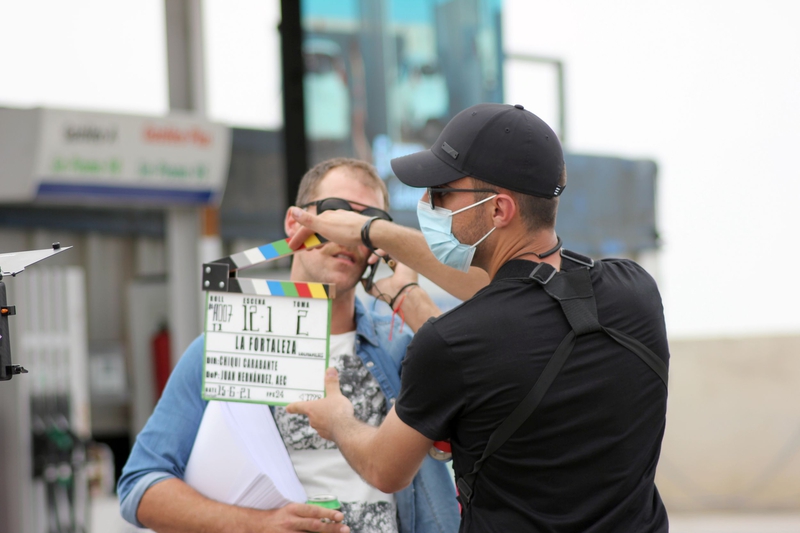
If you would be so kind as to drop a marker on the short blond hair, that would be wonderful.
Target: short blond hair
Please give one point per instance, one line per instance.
(367, 175)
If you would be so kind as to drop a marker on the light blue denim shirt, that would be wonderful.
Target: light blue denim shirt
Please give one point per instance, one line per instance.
(163, 447)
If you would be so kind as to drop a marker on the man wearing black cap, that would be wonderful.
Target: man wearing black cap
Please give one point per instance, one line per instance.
(550, 383)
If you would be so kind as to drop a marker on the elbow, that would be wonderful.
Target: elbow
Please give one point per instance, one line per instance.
(390, 482)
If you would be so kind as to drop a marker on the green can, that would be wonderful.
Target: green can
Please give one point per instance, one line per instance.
(328, 501)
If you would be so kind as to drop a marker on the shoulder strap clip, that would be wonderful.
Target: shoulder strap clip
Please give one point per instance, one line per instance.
(577, 258)
(543, 273)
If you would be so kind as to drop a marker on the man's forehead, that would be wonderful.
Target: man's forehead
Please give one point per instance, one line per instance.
(363, 189)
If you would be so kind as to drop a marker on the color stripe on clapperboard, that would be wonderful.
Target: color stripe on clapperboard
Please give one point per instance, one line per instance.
(266, 287)
(268, 252)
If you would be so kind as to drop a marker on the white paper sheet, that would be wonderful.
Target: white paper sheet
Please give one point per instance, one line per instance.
(239, 458)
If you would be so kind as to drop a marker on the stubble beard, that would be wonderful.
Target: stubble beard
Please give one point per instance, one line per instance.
(477, 228)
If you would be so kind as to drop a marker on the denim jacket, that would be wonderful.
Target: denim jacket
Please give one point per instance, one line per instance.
(163, 447)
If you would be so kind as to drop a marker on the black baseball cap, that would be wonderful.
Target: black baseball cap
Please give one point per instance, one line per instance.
(504, 145)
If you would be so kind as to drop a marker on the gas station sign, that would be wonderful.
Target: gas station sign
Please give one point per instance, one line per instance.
(79, 157)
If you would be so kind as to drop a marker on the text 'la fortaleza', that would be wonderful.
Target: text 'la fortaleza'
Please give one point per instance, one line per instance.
(269, 345)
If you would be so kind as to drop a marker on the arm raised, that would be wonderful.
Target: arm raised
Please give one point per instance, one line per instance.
(404, 244)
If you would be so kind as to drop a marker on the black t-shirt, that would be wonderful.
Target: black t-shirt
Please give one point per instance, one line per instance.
(585, 460)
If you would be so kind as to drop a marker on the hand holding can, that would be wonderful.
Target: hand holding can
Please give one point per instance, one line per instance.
(328, 501)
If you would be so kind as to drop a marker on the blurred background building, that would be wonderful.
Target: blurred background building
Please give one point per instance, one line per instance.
(155, 135)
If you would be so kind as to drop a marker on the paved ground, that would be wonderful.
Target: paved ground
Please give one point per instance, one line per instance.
(106, 519)
(734, 523)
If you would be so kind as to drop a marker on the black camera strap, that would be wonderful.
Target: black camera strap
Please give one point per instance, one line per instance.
(572, 288)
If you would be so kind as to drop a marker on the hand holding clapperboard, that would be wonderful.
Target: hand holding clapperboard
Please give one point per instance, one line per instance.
(266, 343)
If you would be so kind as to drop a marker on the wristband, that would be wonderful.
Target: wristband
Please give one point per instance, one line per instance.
(400, 292)
(365, 234)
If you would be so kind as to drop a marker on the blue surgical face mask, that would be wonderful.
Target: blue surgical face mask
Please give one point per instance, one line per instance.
(436, 225)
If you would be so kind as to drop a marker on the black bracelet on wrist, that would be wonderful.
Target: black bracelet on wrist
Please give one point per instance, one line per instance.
(400, 292)
(365, 234)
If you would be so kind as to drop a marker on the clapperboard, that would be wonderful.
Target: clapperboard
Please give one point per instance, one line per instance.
(265, 341)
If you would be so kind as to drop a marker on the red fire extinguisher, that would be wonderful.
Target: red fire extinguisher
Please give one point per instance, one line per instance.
(161, 359)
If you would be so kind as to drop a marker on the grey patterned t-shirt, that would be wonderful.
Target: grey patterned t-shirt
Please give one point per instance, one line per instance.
(319, 465)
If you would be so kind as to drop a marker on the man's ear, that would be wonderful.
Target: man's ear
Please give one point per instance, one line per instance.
(504, 210)
(290, 225)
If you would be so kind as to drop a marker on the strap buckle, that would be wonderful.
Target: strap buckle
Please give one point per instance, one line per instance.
(543, 273)
(464, 491)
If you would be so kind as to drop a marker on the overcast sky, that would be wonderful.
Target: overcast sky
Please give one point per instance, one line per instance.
(709, 90)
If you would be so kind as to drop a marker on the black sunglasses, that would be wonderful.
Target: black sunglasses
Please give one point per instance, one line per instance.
(331, 204)
(439, 193)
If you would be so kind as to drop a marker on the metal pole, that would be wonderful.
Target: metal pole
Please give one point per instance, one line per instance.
(294, 115)
(185, 63)
(183, 264)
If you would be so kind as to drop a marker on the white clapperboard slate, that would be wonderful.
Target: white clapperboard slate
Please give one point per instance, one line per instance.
(266, 342)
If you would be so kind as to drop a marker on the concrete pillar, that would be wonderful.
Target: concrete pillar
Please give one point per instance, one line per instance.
(186, 74)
